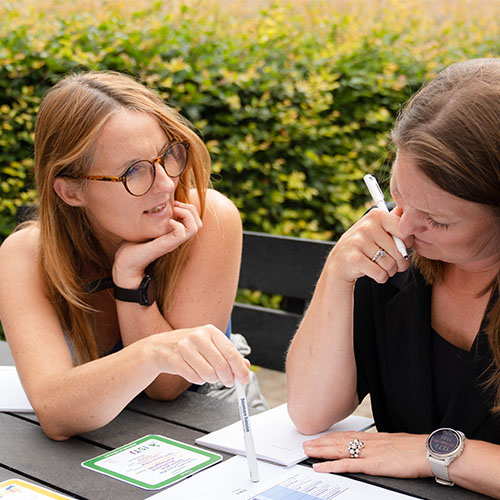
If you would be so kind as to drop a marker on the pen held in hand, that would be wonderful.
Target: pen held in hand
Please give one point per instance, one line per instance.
(247, 432)
(378, 199)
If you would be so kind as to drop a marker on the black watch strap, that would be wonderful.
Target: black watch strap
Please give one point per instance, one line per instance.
(145, 295)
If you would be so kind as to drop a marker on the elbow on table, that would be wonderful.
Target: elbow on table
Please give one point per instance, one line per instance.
(167, 389)
(305, 421)
(61, 425)
(52, 430)
(313, 421)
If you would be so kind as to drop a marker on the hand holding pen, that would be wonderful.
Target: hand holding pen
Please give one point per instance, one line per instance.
(378, 199)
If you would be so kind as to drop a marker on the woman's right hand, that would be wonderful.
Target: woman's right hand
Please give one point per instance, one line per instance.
(352, 255)
(199, 355)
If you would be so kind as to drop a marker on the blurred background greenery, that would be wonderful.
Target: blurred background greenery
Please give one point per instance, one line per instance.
(295, 99)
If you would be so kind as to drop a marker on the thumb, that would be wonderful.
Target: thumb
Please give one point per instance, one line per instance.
(397, 211)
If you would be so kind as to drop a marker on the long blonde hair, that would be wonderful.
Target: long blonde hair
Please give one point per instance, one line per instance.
(451, 130)
(70, 119)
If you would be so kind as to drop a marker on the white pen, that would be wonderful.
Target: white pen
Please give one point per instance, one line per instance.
(378, 199)
(247, 432)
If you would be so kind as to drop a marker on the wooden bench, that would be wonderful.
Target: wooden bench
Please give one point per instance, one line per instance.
(280, 265)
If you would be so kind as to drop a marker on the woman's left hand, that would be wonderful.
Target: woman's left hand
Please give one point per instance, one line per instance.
(383, 454)
(132, 258)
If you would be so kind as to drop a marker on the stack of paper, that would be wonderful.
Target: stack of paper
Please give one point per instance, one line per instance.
(12, 395)
(276, 438)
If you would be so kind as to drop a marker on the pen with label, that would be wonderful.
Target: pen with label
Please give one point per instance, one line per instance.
(378, 199)
(247, 432)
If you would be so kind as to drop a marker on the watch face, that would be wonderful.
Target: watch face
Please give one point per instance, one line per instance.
(444, 442)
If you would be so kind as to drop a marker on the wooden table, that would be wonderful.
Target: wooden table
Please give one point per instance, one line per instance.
(26, 453)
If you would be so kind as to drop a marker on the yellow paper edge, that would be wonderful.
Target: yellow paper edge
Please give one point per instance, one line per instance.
(33, 487)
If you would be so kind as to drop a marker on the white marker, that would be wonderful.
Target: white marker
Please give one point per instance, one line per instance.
(378, 199)
(247, 432)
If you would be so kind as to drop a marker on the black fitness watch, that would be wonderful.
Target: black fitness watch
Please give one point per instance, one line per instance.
(145, 295)
(443, 446)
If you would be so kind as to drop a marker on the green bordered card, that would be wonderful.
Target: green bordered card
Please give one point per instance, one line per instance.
(153, 462)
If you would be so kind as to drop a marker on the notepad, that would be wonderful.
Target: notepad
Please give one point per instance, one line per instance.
(12, 395)
(277, 440)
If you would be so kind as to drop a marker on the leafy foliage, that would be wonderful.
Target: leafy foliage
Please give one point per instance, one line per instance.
(295, 101)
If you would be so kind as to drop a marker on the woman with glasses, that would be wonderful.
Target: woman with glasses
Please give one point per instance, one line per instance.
(127, 279)
(421, 336)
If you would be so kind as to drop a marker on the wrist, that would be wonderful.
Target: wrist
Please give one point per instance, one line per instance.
(443, 447)
(334, 275)
(144, 294)
(124, 280)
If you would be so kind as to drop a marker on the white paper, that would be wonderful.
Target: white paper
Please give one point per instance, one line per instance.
(230, 480)
(12, 395)
(275, 435)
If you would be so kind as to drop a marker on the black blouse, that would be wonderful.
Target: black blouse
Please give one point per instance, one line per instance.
(398, 362)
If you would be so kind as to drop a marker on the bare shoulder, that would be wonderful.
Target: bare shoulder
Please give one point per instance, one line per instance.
(219, 203)
(21, 247)
(222, 225)
(218, 208)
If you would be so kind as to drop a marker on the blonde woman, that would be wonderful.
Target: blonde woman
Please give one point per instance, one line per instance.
(421, 337)
(127, 279)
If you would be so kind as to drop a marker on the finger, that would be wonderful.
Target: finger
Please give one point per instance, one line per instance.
(188, 206)
(390, 224)
(182, 368)
(218, 364)
(188, 213)
(198, 350)
(202, 366)
(177, 230)
(382, 265)
(185, 217)
(330, 452)
(342, 465)
(220, 356)
(239, 366)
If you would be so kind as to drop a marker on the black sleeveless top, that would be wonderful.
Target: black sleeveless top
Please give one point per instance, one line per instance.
(417, 381)
(447, 363)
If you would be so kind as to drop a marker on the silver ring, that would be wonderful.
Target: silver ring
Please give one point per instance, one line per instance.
(354, 447)
(378, 255)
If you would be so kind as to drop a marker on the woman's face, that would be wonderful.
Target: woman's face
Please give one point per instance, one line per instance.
(115, 214)
(442, 226)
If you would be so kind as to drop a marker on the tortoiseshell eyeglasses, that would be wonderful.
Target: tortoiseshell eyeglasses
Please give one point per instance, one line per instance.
(139, 177)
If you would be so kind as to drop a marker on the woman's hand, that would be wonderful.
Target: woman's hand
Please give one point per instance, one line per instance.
(199, 355)
(383, 454)
(132, 258)
(352, 257)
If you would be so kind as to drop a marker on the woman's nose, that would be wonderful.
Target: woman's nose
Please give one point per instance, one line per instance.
(162, 180)
(408, 223)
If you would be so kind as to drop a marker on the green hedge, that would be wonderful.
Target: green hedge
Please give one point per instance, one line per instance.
(295, 101)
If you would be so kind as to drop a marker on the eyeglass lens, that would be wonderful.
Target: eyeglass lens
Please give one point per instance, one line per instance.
(140, 176)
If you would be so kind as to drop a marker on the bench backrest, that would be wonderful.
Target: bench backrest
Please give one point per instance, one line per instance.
(276, 265)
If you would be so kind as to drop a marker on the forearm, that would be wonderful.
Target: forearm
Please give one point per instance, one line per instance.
(89, 396)
(321, 370)
(477, 468)
(138, 322)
